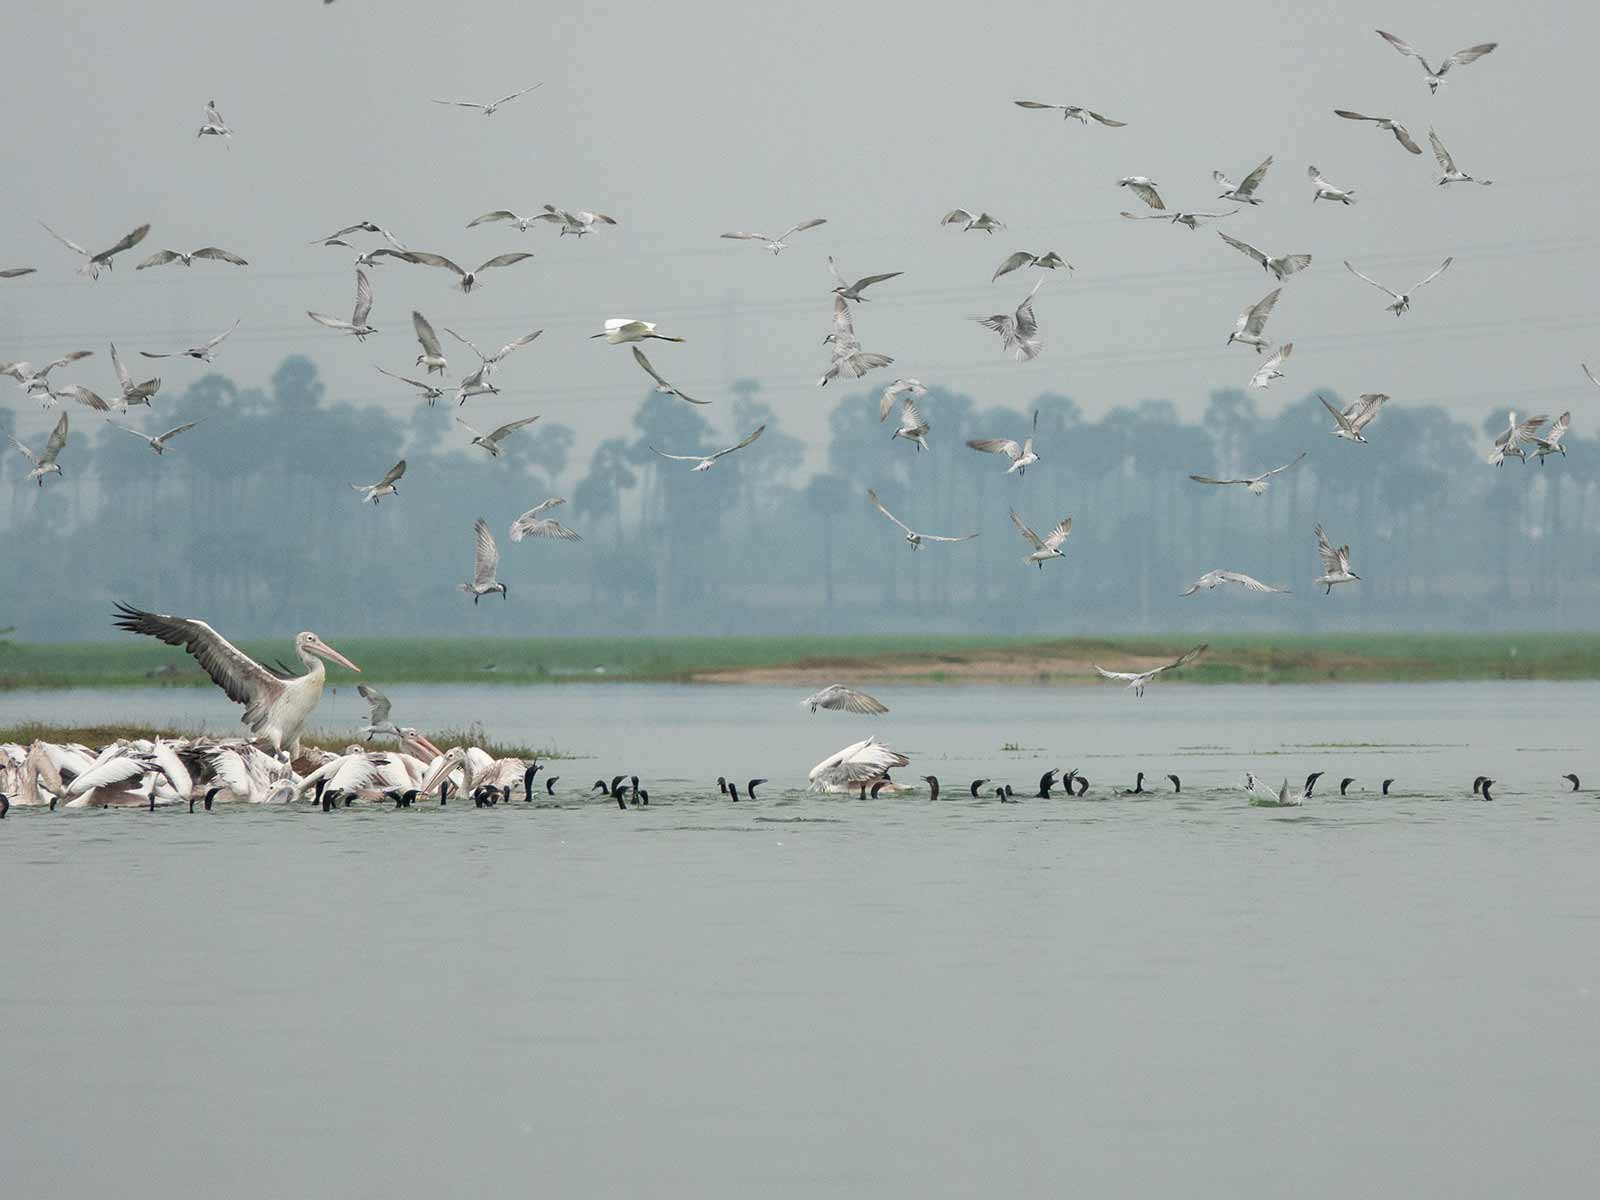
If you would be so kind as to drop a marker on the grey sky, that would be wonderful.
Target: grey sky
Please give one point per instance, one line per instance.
(690, 119)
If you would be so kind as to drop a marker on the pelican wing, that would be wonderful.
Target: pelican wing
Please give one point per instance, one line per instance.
(661, 384)
(1370, 280)
(241, 678)
(426, 337)
(878, 504)
(485, 554)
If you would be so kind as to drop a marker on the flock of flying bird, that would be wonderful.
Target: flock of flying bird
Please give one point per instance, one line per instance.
(278, 700)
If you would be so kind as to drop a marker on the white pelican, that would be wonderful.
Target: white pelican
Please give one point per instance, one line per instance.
(848, 356)
(852, 291)
(1255, 484)
(662, 385)
(838, 697)
(1459, 59)
(1072, 112)
(912, 536)
(429, 392)
(129, 775)
(983, 221)
(913, 425)
(1508, 444)
(357, 324)
(215, 253)
(371, 493)
(490, 107)
(1268, 371)
(1137, 680)
(1019, 331)
(1049, 261)
(1262, 795)
(1335, 562)
(485, 562)
(900, 387)
(1452, 173)
(1323, 190)
(705, 462)
(465, 280)
(1282, 266)
(202, 352)
(1402, 300)
(132, 393)
(534, 523)
(1352, 421)
(159, 442)
(1143, 187)
(1022, 457)
(248, 774)
(625, 329)
(94, 262)
(1243, 192)
(214, 126)
(1550, 443)
(44, 463)
(1046, 547)
(432, 356)
(491, 441)
(1213, 579)
(862, 764)
(1247, 329)
(276, 706)
(777, 245)
(1387, 124)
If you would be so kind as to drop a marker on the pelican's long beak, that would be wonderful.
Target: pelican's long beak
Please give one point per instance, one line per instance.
(322, 648)
(432, 750)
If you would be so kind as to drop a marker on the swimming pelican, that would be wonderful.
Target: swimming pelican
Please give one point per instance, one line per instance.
(1046, 547)
(44, 463)
(1212, 579)
(707, 461)
(1402, 300)
(374, 492)
(1387, 124)
(1255, 484)
(1459, 59)
(1243, 192)
(1335, 562)
(1072, 112)
(1247, 329)
(1452, 173)
(625, 329)
(485, 562)
(852, 291)
(916, 539)
(780, 243)
(534, 523)
(1138, 680)
(465, 280)
(1049, 261)
(662, 385)
(1280, 265)
(215, 253)
(357, 324)
(1323, 190)
(159, 442)
(204, 351)
(1019, 331)
(983, 221)
(857, 765)
(1022, 457)
(94, 262)
(836, 696)
(489, 108)
(1353, 419)
(1268, 371)
(491, 441)
(276, 705)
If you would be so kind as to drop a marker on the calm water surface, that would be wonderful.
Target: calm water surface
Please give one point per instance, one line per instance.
(811, 996)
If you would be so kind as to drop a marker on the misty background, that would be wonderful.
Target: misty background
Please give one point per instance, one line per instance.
(690, 120)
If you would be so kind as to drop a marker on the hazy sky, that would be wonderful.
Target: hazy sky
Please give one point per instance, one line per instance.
(690, 119)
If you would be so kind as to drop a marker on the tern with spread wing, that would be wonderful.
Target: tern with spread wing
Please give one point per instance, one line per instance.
(132, 393)
(913, 425)
(965, 219)
(1137, 680)
(900, 387)
(662, 385)
(1509, 443)
(1019, 331)
(1247, 329)
(159, 442)
(378, 710)
(704, 462)
(1022, 457)
(214, 253)
(578, 223)
(1459, 59)
(1335, 562)
(488, 363)
(777, 245)
(534, 524)
(204, 352)
(1268, 371)
(1072, 112)
(432, 357)
(912, 536)
(34, 380)
(94, 262)
(1387, 124)
(485, 562)
(842, 699)
(1144, 187)
(1452, 173)
(852, 291)
(1048, 261)
(1351, 421)
(357, 324)
(1550, 443)
(1048, 546)
(1254, 484)
(491, 442)
(1323, 190)
(465, 280)
(214, 125)
(1243, 192)
(1402, 300)
(371, 493)
(1282, 266)
(429, 392)
(1214, 579)
(523, 224)
(44, 463)
(848, 356)
(490, 107)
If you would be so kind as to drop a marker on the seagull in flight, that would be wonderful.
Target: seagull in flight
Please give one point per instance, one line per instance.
(852, 291)
(1243, 192)
(201, 353)
(914, 426)
(1326, 191)
(492, 106)
(912, 536)
(1247, 329)
(1335, 563)
(1402, 300)
(357, 324)
(661, 384)
(843, 699)
(491, 442)
(1282, 266)
(1452, 174)
(1072, 112)
(336, 238)
(1268, 371)
(1137, 680)
(485, 563)
(1355, 416)
(1254, 484)
(983, 221)
(1214, 579)
(465, 280)
(1459, 59)
(429, 392)
(215, 253)
(903, 387)
(371, 493)
(1019, 331)
(625, 329)
(704, 462)
(94, 262)
(159, 442)
(777, 245)
(214, 126)
(1022, 457)
(534, 523)
(44, 463)
(1049, 260)
(1387, 124)
(1048, 546)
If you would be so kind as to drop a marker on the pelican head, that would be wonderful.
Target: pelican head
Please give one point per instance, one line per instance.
(309, 643)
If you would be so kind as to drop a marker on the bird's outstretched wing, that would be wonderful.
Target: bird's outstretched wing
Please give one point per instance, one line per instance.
(1034, 539)
(242, 679)
(485, 554)
(1446, 163)
(760, 429)
(802, 227)
(1244, 248)
(394, 474)
(511, 427)
(878, 504)
(1444, 266)
(661, 384)
(1371, 280)
(997, 446)
(503, 260)
(1285, 467)
(378, 705)
(426, 337)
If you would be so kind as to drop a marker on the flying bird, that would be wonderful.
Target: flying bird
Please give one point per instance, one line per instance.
(1137, 680)
(371, 493)
(1243, 192)
(848, 356)
(1459, 59)
(82, 395)
(912, 536)
(1402, 300)
(1049, 261)
(215, 253)
(1323, 190)
(983, 221)
(357, 324)
(132, 393)
(852, 291)
(432, 356)
(843, 699)
(534, 523)
(1268, 371)
(1143, 187)
(1247, 329)
(1452, 173)
(1335, 562)
(914, 426)
(1509, 443)
(1022, 457)
(1019, 331)
(94, 262)
(34, 380)
(465, 280)
(491, 442)
(1387, 124)
(485, 562)
(1180, 217)
(202, 352)
(661, 384)
(1352, 420)
(429, 392)
(777, 245)
(578, 223)
(488, 363)
(276, 703)
(1048, 546)
(44, 463)
(1282, 266)
(490, 108)
(1550, 443)
(1213, 579)
(1255, 484)
(336, 238)
(523, 224)
(625, 329)
(16, 272)
(378, 709)
(903, 387)
(214, 125)
(1072, 112)
(159, 442)
(704, 462)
